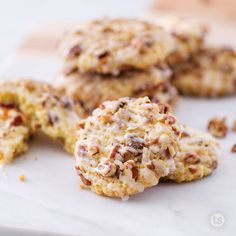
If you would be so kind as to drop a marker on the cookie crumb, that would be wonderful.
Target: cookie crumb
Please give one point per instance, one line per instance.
(217, 127)
(233, 149)
(83, 186)
(21, 178)
(234, 126)
(4, 174)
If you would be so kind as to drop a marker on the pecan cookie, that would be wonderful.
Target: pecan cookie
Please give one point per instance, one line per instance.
(198, 156)
(109, 46)
(126, 146)
(47, 110)
(210, 73)
(91, 90)
(14, 133)
(187, 34)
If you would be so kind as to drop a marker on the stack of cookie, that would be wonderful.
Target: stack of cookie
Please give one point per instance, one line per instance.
(130, 144)
(112, 58)
(132, 141)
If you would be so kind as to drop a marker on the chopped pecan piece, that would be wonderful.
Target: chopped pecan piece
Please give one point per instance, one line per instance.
(7, 105)
(66, 103)
(177, 132)
(148, 43)
(233, 149)
(131, 165)
(132, 140)
(94, 150)
(185, 134)
(170, 152)
(122, 104)
(191, 158)
(151, 166)
(84, 180)
(168, 119)
(214, 164)
(153, 141)
(192, 169)
(78, 168)
(218, 127)
(17, 121)
(74, 51)
(52, 119)
(101, 106)
(105, 119)
(81, 124)
(163, 108)
(135, 173)
(106, 169)
(114, 152)
(103, 54)
(82, 151)
(117, 173)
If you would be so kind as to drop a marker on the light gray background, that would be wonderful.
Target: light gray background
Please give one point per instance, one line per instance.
(18, 17)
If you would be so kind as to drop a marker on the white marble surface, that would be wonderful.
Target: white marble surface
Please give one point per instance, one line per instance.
(51, 201)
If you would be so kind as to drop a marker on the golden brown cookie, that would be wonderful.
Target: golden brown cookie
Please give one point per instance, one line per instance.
(126, 146)
(47, 110)
(198, 156)
(90, 90)
(210, 73)
(110, 46)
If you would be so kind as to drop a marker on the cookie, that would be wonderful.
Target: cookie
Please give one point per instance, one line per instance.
(210, 73)
(198, 156)
(91, 90)
(48, 111)
(126, 146)
(188, 37)
(14, 134)
(109, 46)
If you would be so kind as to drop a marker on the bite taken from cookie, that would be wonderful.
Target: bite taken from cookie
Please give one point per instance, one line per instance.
(15, 133)
(126, 146)
(47, 110)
